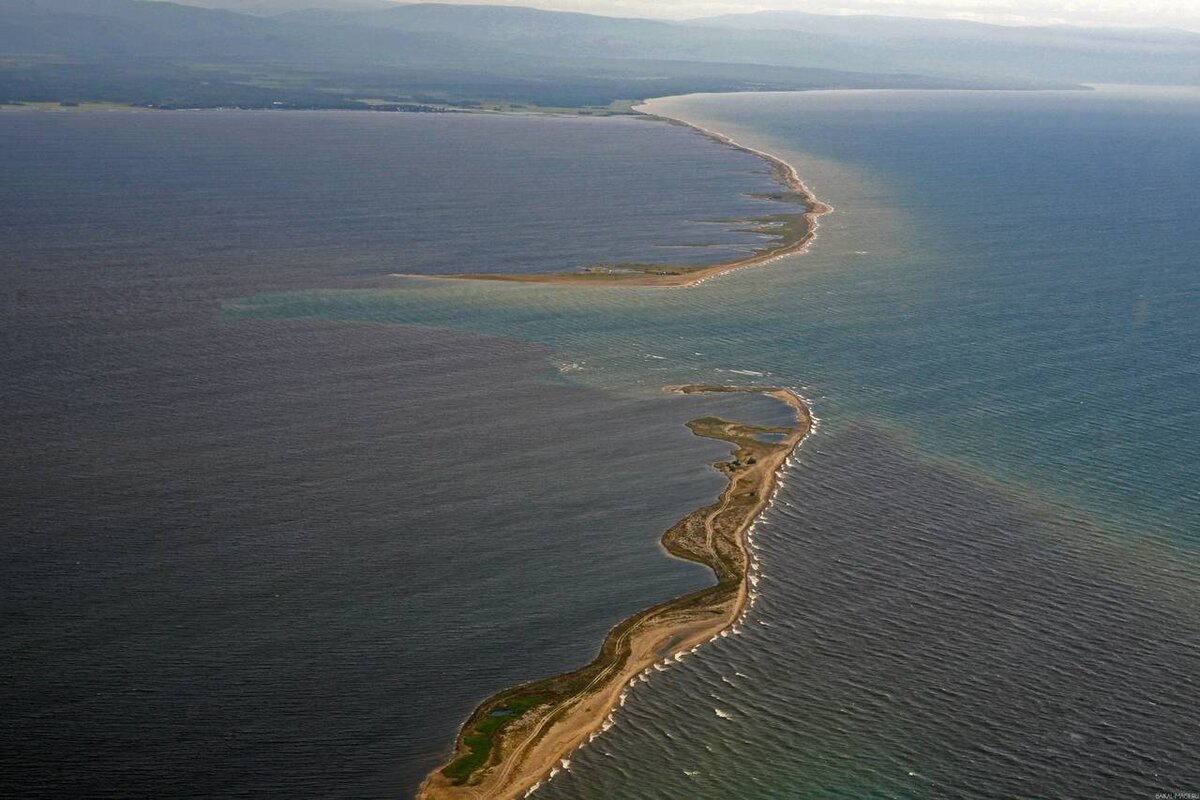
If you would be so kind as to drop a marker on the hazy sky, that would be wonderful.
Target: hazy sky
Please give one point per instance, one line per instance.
(1168, 13)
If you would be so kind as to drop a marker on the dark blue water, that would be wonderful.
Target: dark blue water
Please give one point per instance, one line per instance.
(288, 559)
(362, 194)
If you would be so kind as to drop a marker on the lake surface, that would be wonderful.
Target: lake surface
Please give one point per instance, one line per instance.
(979, 578)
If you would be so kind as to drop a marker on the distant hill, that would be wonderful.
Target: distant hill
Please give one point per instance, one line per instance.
(890, 45)
(270, 8)
(940, 46)
(346, 52)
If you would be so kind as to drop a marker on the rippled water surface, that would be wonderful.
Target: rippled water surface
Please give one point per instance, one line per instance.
(979, 578)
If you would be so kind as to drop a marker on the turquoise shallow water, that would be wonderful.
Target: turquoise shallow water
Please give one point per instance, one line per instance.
(1028, 299)
(1009, 278)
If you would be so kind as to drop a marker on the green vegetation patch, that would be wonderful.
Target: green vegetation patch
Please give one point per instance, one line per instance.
(482, 735)
(628, 267)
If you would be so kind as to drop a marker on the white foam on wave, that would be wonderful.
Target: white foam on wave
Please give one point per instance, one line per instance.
(753, 575)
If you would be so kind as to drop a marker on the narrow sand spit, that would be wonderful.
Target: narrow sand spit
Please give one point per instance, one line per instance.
(515, 740)
(796, 234)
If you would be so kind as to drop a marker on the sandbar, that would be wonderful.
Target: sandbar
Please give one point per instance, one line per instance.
(518, 737)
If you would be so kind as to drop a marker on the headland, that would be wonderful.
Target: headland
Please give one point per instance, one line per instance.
(518, 737)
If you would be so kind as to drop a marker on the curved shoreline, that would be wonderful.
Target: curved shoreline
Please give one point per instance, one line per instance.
(792, 242)
(515, 738)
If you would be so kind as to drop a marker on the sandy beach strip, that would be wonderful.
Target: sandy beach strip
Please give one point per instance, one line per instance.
(517, 738)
